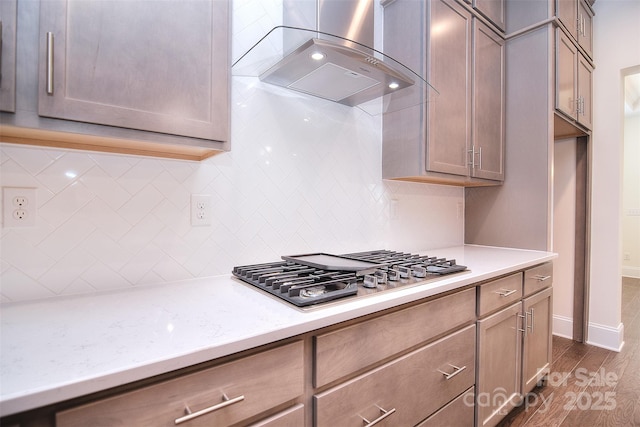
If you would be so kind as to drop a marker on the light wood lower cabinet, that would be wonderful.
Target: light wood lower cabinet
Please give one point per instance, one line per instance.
(220, 396)
(499, 365)
(514, 343)
(405, 391)
(536, 358)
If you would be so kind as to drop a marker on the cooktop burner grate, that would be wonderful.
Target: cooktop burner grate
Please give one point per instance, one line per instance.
(310, 279)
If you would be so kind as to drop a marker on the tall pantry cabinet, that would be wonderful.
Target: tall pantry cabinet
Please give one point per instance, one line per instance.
(551, 70)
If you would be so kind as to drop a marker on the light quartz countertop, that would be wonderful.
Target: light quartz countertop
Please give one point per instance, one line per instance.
(65, 347)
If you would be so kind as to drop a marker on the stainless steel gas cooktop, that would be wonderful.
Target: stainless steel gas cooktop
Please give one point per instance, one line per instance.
(311, 279)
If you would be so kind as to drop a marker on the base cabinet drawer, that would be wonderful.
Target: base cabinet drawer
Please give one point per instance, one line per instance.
(292, 417)
(538, 278)
(405, 391)
(354, 348)
(222, 395)
(457, 413)
(499, 293)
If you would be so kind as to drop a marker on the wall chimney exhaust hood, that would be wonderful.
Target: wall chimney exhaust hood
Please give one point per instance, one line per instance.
(334, 60)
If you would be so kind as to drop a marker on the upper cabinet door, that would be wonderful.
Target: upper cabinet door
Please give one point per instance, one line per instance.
(160, 66)
(585, 28)
(567, 12)
(8, 17)
(494, 10)
(584, 91)
(488, 103)
(566, 72)
(449, 71)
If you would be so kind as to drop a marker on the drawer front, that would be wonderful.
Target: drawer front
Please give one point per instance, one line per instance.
(348, 350)
(538, 278)
(255, 384)
(499, 293)
(457, 413)
(292, 417)
(409, 388)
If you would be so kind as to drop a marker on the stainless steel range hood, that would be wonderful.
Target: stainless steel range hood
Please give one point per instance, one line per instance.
(324, 49)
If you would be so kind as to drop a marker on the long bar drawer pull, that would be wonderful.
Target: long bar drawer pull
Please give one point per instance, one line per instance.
(457, 370)
(506, 292)
(541, 278)
(384, 414)
(49, 63)
(191, 415)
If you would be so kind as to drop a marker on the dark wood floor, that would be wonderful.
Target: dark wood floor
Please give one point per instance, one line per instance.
(574, 398)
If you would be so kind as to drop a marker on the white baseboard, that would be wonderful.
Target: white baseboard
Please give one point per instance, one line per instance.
(631, 272)
(606, 336)
(563, 326)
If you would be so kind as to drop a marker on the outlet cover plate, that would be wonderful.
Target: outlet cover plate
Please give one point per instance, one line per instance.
(201, 210)
(18, 207)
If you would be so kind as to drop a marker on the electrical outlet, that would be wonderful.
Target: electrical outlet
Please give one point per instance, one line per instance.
(19, 207)
(200, 209)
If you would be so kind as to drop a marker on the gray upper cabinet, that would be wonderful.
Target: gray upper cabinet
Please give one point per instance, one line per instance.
(123, 76)
(566, 71)
(577, 18)
(585, 85)
(494, 10)
(585, 28)
(153, 66)
(449, 115)
(8, 20)
(566, 11)
(573, 81)
(488, 104)
(457, 137)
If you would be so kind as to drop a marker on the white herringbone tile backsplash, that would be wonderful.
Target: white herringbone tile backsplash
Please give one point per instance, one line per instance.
(303, 174)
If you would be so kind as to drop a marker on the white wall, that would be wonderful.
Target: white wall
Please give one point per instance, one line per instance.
(631, 197)
(616, 47)
(303, 175)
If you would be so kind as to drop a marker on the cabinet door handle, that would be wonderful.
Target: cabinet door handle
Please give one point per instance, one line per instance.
(524, 325)
(49, 63)
(532, 319)
(506, 292)
(541, 278)
(580, 105)
(384, 414)
(473, 153)
(457, 370)
(191, 415)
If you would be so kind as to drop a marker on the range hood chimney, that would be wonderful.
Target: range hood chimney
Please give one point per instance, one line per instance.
(325, 49)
